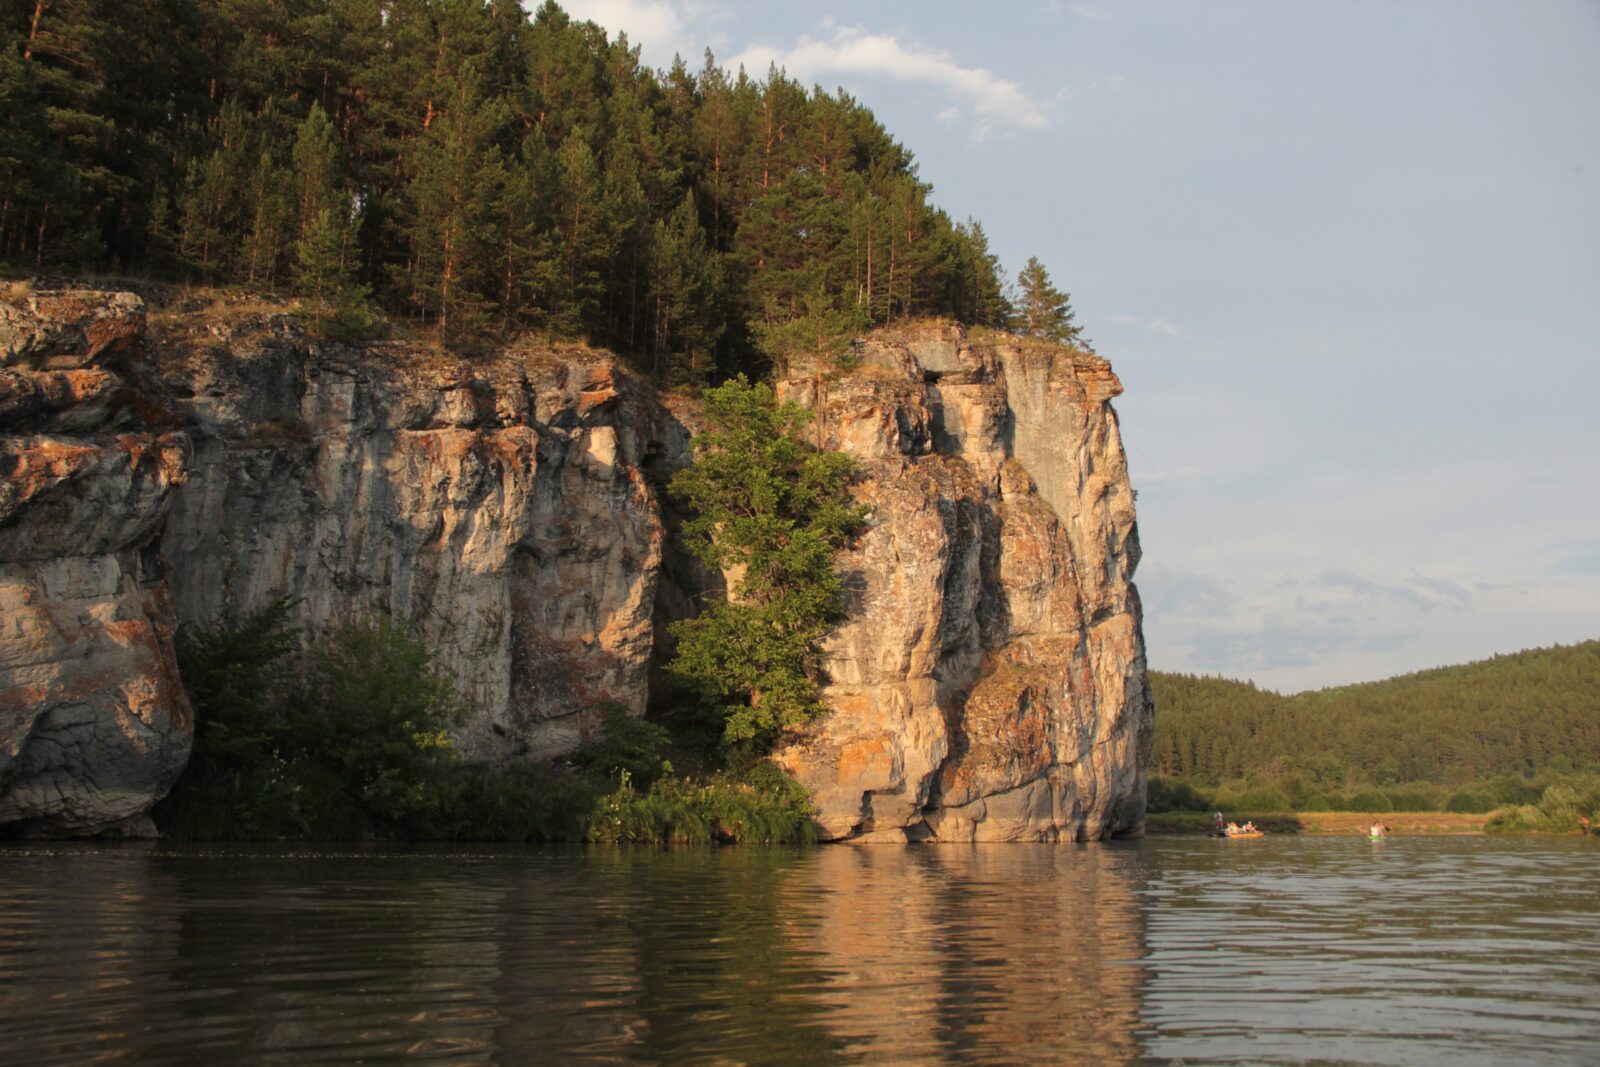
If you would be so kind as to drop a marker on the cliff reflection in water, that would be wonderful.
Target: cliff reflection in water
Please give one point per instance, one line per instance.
(1017, 952)
(986, 954)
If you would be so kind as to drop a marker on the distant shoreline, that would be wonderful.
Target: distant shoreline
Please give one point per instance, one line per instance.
(1400, 823)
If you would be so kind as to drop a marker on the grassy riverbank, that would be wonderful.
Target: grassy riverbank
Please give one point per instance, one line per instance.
(1323, 822)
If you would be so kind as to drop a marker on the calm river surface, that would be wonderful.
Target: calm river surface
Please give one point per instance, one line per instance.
(1423, 950)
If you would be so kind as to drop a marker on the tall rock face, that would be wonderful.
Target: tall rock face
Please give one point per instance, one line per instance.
(500, 504)
(990, 683)
(94, 724)
(988, 686)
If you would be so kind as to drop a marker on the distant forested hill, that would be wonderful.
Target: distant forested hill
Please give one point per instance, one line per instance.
(1513, 714)
(474, 169)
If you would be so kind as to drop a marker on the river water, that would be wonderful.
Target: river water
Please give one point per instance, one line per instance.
(1429, 950)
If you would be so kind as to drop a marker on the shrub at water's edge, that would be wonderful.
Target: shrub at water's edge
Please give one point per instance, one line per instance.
(1571, 806)
(768, 808)
(358, 748)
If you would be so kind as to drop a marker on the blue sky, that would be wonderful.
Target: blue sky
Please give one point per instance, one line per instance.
(1344, 256)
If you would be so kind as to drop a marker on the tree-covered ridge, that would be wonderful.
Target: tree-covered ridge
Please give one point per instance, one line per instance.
(1513, 714)
(474, 168)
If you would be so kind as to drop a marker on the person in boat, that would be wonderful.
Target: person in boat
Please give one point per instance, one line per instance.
(1250, 828)
(1216, 823)
(1377, 829)
(1233, 828)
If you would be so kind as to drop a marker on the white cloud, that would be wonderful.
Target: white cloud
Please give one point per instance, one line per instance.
(853, 50)
(1151, 479)
(1159, 325)
(1090, 12)
(659, 27)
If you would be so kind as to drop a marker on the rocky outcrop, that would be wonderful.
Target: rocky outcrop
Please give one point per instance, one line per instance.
(94, 725)
(501, 505)
(990, 684)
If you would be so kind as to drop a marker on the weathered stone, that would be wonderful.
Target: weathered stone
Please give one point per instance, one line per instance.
(500, 506)
(989, 684)
(69, 329)
(94, 726)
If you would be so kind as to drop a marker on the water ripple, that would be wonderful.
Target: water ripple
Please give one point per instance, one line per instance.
(1285, 950)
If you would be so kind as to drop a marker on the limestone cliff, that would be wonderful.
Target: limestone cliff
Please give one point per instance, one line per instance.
(94, 725)
(990, 683)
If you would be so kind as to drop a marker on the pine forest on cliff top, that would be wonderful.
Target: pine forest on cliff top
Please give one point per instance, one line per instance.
(476, 172)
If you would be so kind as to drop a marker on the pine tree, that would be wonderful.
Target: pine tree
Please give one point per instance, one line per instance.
(528, 257)
(325, 223)
(585, 245)
(452, 195)
(1042, 309)
(685, 298)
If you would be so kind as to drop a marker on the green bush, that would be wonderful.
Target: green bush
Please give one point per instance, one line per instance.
(1411, 799)
(1512, 791)
(1465, 802)
(764, 808)
(1260, 799)
(375, 712)
(1569, 805)
(1169, 794)
(626, 744)
(1326, 802)
(1516, 819)
(522, 802)
(359, 747)
(1369, 800)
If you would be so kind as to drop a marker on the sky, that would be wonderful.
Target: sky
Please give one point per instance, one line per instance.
(1345, 258)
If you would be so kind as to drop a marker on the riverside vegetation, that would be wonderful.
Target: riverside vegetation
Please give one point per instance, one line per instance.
(1516, 738)
(356, 742)
(356, 745)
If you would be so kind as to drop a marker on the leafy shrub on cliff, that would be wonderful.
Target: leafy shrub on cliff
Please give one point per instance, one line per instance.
(358, 746)
(771, 510)
(374, 710)
(626, 744)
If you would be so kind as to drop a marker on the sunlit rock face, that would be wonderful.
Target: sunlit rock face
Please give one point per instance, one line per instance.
(990, 683)
(94, 725)
(500, 504)
(222, 459)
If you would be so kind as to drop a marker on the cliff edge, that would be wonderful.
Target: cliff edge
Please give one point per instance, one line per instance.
(990, 682)
(206, 459)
